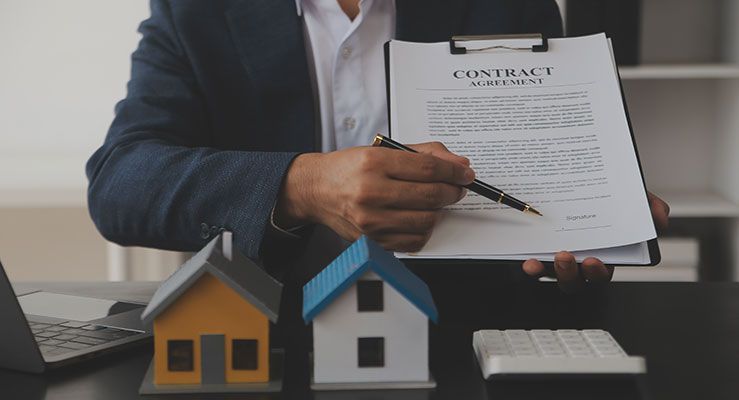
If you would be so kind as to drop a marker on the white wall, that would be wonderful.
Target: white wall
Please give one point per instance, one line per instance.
(63, 66)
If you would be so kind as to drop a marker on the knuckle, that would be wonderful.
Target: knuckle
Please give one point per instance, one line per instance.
(367, 160)
(428, 167)
(364, 192)
(363, 221)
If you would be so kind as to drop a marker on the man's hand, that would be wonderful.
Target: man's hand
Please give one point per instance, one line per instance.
(573, 277)
(392, 196)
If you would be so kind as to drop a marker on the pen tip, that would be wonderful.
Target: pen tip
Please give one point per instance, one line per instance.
(534, 211)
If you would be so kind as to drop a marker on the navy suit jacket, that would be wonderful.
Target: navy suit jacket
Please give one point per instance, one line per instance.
(220, 102)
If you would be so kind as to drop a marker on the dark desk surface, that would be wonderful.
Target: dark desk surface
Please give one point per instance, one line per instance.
(689, 334)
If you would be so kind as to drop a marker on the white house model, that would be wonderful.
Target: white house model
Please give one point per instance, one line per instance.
(370, 322)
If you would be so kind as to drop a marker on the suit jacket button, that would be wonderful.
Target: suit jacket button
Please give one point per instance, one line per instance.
(204, 231)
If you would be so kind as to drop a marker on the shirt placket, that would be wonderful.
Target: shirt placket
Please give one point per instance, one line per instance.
(348, 91)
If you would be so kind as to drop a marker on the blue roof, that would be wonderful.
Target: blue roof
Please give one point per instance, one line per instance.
(345, 270)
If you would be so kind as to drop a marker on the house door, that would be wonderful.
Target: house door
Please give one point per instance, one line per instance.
(212, 359)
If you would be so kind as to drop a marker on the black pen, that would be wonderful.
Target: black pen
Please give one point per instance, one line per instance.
(479, 187)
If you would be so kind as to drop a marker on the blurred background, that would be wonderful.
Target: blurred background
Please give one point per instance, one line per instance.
(65, 64)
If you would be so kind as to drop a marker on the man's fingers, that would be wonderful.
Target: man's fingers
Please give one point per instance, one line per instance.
(534, 268)
(420, 196)
(568, 275)
(439, 150)
(419, 167)
(660, 210)
(594, 271)
(571, 277)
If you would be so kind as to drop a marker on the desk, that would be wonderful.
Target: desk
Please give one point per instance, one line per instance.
(651, 319)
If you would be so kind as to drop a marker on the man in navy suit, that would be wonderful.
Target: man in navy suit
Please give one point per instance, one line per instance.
(249, 115)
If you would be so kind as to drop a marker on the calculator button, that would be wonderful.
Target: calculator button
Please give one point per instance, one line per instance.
(511, 333)
(498, 349)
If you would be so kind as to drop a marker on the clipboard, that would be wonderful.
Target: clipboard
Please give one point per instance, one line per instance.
(461, 45)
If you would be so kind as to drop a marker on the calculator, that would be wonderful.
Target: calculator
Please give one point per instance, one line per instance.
(516, 352)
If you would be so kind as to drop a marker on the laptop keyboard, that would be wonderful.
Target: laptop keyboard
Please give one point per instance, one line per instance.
(55, 339)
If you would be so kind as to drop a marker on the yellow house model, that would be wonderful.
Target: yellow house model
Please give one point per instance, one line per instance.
(211, 319)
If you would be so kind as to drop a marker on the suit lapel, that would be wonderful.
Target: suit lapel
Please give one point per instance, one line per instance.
(429, 20)
(268, 35)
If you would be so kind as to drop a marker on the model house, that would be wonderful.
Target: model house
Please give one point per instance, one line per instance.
(370, 320)
(211, 319)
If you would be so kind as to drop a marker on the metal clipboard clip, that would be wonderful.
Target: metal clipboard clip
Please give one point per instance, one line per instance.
(536, 48)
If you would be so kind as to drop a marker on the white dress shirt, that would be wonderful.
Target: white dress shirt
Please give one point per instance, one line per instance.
(349, 68)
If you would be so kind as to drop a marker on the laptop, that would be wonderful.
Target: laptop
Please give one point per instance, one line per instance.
(43, 330)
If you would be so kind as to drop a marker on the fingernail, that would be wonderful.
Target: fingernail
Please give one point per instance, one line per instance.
(469, 174)
(564, 266)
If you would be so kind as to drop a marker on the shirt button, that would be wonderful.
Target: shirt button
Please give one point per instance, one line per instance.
(346, 52)
(204, 231)
(350, 123)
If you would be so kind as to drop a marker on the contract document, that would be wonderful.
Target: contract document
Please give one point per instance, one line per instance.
(549, 128)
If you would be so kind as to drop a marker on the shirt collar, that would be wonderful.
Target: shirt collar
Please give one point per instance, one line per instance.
(299, 7)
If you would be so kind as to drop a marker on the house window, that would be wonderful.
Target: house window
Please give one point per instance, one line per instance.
(179, 355)
(244, 354)
(369, 296)
(371, 352)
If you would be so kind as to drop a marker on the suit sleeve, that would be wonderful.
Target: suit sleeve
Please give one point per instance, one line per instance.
(156, 181)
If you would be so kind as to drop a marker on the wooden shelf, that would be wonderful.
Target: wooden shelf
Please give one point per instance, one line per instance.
(680, 71)
(699, 205)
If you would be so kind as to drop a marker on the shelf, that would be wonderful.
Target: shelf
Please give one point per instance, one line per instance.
(661, 273)
(679, 264)
(680, 71)
(699, 205)
(42, 181)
